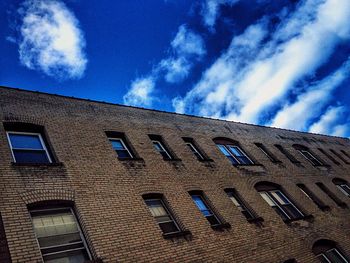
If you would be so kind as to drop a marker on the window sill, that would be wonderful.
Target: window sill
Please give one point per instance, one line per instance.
(255, 220)
(206, 160)
(131, 159)
(183, 233)
(37, 164)
(306, 218)
(221, 227)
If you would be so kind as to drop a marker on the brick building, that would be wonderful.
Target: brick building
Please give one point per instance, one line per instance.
(82, 180)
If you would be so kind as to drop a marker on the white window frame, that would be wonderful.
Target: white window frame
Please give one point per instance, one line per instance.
(122, 142)
(240, 150)
(78, 226)
(27, 133)
(168, 213)
(195, 149)
(212, 213)
(324, 255)
(302, 152)
(276, 203)
(341, 188)
(161, 146)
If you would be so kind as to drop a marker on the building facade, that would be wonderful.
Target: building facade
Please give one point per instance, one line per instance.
(86, 181)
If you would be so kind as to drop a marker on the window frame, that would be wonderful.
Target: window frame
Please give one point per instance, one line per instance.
(233, 193)
(81, 234)
(325, 256)
(331, 195)
(267, 152)
(159, 142)
(227, 148)
(287, 154)
(195, 151)
(42, 142)
(131, 156)
(310, 195)
(310, 157)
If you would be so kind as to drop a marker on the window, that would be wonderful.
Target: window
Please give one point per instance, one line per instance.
(28, 147)
(194, 149)
(331, 195)
(233, 152)
(120, 148)
(309, 194)
(160, 147)
(287, 154)
(267, 153)
(339, 156)
(59, 235)
(203, 206)
(237, 201)
(308, 155)
(272, 194)
(327, 251)
(345, 153)
(343, 186)
(330, 157)
(161, 214)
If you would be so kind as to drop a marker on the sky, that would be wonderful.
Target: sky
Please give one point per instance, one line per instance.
(279, 63)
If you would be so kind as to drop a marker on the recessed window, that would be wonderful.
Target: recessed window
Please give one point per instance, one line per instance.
(343, 186)
(161, 214)
(330, 157)
(28, 147)
(267, 153)
(120, 148)
(339, 156)
(345, 153)
(309, 194)
(287, 154)
(331, 195)
(240, 204)
(233, 152)
(160, 147)
(190, 143)
(59, 235)
(205, 209)
(327, 251)
(308, 155)
(283, 206)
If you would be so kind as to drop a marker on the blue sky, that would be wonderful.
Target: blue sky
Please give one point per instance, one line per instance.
(279, 63)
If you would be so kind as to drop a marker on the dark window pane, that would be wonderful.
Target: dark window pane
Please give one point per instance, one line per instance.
(78, 256)
(24, 141)
(244, 160)
(22, 156)
(292, 211)
(213, 220)
(335, 257)
(168, 227)
(165, 155)
(157, 146)
(280, 212)
(247, 214)
(123, 154)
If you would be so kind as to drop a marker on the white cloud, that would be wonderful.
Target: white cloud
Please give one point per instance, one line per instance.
(253, 76)
(328, 123)
(188, 43)
(211, 10)
(309, 104)
(175, 69)
(51, 40)
(141, 92)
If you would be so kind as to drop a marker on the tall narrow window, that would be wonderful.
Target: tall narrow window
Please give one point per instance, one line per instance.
(309, 194)
(287, 154)
(267, 153)
(59, 235)
(240, 204)
(203, 206)
(28, 147)
(194, 148)
(308, 155)
(345, 153)
(330, 157)
(339, 156)
(279, 201)
(233, 152)
(331, 195)
(161, 214)
(343, 186)
(120, 148)
(327, 251)
(160, 147)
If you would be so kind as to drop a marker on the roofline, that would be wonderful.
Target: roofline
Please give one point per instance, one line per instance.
(161, 111)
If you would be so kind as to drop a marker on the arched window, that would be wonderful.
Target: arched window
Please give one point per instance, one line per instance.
(233, 151)
(278, 200)
(310, 156)
(342, 185)
(327, 251)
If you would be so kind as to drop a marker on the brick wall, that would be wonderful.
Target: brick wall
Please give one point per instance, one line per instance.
(4, 251)
(107, 192)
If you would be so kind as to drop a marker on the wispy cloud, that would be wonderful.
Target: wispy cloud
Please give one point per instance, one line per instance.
(329, 122)
(260, 68)
(51, 40)
(187, 47)
(141, 92)
(310, 104)
(211, 10)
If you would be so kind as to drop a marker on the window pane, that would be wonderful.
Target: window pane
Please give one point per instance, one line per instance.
(223, 149)
(281, 199)
(267, 198)
(24, 141)
(235, 150)
(157, 146)
(213, 220)
(77, 256)
(244, 160)
(335, 257)
(156, 207)
(200, 203)
(280, 212)
(123, 154)
(24, 156)
(169, 227)
(165, 155)
(323, 259)
(117, 145)
(292, 211)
